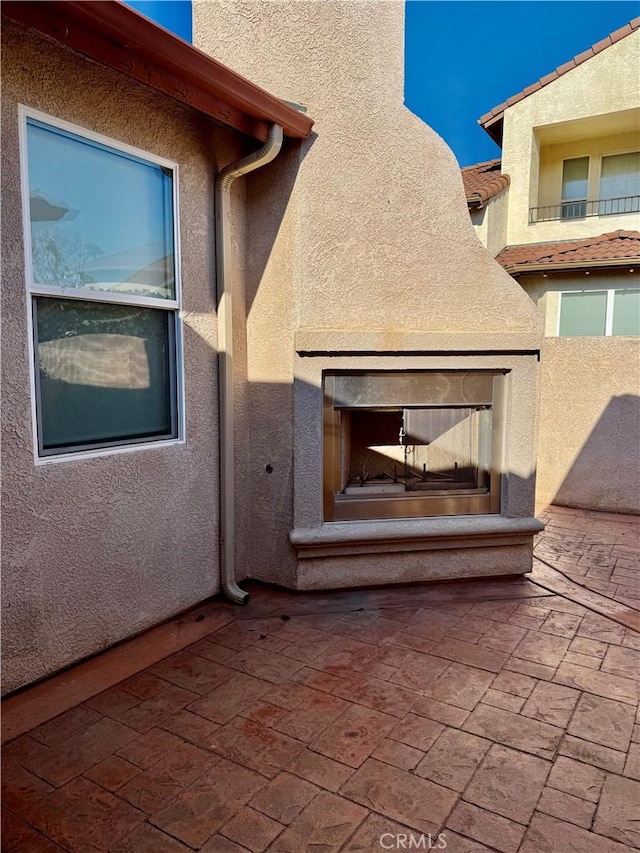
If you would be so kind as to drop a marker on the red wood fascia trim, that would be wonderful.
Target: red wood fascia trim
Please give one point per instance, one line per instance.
(114, 35)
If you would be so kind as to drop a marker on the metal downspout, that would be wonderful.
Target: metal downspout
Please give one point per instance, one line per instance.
(222, 197)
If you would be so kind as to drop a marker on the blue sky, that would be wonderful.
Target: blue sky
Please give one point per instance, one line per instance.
(464, 57)
(175, 15)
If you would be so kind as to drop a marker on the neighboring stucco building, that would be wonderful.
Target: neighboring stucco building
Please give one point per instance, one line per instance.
(378, 416)
(560, 212)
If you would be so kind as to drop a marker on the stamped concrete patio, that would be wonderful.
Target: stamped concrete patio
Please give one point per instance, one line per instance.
(486, 716)
(597, 550)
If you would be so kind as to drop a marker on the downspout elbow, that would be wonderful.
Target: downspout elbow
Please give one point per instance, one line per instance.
(222, 198)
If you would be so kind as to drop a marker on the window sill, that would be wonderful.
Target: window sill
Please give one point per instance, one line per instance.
(81, 455)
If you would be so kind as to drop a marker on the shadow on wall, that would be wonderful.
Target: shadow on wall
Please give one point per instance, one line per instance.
(270, 187)
(265, 514)
(606, 472)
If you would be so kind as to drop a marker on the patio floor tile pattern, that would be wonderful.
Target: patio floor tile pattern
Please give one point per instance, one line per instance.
(453, 759)
(496, 713)
(508, 783)
(498, 833)
(400, 795)
(18, 836)
(565, 806)
(599, 551)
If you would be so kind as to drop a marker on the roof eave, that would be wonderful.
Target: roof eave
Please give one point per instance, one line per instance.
(492, 122)
(113, 34)
(568, 266)
(494, 126)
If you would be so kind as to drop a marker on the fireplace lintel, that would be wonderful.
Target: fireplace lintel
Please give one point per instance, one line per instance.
(312, 343)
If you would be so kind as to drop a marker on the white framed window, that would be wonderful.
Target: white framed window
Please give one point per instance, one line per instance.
(103, 291)
(611, 311)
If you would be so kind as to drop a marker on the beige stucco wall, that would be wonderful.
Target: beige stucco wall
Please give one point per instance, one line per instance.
(379, 204)
(96, 550)
(490, 222)
(605, 85)
(589, 443)
(359, 239)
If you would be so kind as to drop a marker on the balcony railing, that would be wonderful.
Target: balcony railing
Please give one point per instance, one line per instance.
(582, 209)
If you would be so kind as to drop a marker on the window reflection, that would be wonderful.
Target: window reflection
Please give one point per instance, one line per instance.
(104, 372)
(100, 218)
(105, 361)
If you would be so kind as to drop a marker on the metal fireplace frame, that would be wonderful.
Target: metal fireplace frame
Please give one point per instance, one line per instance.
(443, 388)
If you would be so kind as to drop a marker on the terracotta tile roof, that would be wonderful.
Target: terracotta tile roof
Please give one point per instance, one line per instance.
(615, 248)
(492, 121)
(482, 181)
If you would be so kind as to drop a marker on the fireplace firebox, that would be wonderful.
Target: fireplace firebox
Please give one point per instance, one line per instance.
(408, 444)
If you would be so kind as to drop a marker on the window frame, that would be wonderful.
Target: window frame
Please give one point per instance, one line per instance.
(34, 290)
(365, 509)
(594, 177)
(598, 177)
(565, 203)
(608, 318)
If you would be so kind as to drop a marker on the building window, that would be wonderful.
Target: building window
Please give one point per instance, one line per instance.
(615, 188)
(599, 312)
(575, 187)
(408, 444)
(619, 184)
(103, 289)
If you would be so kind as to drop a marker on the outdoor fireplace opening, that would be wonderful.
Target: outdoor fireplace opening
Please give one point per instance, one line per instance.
(408, 444)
